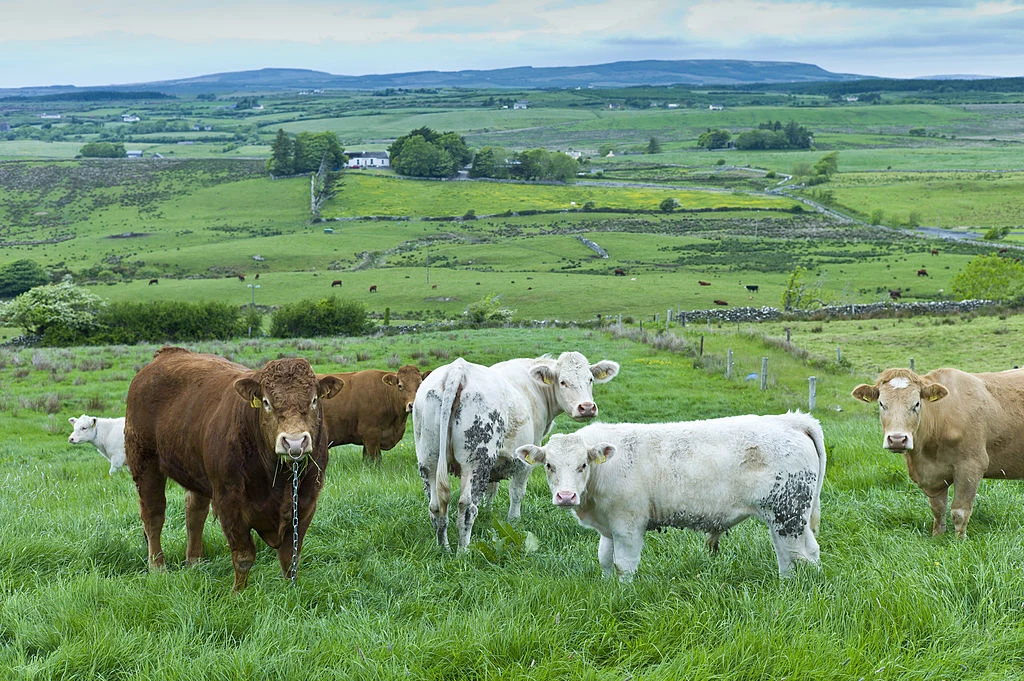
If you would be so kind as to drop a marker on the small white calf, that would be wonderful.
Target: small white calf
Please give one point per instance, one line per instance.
(704, 475)
(106, 434)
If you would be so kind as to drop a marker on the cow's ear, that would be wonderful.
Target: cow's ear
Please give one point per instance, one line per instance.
(542, 373)
(249, 390)
(94, 418)
(601, 452)
(71, 420)
(604, 371)
(390, 379)
(934, 391)
(531, 454)
(424, 375)
(865, 393)
(329, 386)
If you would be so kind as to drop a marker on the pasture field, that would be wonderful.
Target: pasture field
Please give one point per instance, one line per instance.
(377, 600)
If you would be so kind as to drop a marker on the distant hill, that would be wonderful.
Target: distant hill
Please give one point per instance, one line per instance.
(689, 72)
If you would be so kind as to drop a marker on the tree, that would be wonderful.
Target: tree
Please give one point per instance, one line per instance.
(668, 205)
(561, 167)
(20, 276)
(419, 158)
(63, 308)
(103, 150)
(827, 165)
(990, 277)
(486, 164)
(312, 148)
(653, 146)
(489, 310)
(799, 294)
(714, 139)
(282, 154)
(456, 147)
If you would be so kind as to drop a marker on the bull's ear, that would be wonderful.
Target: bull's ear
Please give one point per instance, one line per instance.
(390, 379)
(604, 371)
(531, 454)
(934, 391)
(542, 373)
(329, 386)
(865, 393)
(426, 373)
(94, 418)
(71, 420)
(249, 389)
(601, 452)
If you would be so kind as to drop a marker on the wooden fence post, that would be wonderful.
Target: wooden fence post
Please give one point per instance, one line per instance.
(812, 398)
(728, 363)
(764, 373)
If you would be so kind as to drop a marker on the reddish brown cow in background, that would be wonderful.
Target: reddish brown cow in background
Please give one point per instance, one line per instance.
(953, 428)
(226, 434)
(372, 409)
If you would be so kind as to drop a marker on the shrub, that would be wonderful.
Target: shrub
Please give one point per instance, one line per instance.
(488, 310)
(167, 321)
(58, 311)
(20, 276)
(324, 317)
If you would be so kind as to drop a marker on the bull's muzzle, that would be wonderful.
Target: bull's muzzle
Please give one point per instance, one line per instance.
(294, 445)
(897, 442)
(566, 499)
(585, 410)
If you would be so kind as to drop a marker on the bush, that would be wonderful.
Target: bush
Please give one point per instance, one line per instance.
(324, 317)
(167, 321)
(20, 276)
(57, 310)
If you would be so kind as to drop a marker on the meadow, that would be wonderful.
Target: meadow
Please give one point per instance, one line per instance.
(377, 599)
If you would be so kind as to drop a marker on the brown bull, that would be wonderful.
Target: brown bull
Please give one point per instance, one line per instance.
(372, 409)
(227, 434)
(953, 428)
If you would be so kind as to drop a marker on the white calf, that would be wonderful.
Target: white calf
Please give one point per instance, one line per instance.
(704, 475)
(106, 434)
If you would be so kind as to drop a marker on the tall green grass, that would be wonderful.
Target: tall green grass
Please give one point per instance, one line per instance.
(376, 599)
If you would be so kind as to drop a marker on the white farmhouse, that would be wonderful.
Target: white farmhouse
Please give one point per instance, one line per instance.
(368, 159)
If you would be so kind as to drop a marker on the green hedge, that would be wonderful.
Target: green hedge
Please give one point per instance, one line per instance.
(324, 317)
(155, 322)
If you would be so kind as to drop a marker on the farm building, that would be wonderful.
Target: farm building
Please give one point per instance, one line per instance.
(368, 159)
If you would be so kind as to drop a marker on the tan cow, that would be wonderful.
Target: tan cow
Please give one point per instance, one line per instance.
(953, 428)
(372, 409)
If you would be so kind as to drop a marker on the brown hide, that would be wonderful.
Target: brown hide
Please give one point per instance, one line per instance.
(372, 409)
(224, 432)
(967, 426)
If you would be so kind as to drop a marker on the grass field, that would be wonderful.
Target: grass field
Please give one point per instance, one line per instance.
(376, 599)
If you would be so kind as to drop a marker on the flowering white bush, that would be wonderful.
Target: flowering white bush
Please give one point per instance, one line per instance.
(63, 305)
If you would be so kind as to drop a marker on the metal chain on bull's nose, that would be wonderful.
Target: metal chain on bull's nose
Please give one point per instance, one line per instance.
(295, 522)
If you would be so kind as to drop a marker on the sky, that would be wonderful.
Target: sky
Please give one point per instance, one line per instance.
(104, 42)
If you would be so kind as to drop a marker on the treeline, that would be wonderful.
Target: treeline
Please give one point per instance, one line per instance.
(849, 87)
(103, 150)
(305, 152)
(768, 135)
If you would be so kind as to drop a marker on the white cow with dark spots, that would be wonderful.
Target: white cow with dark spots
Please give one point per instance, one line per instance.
(469, 419)
(106, 433)
(623, 479)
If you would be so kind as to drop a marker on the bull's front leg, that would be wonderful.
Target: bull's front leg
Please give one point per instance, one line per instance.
(965, 488)
(371, 447)
(606, 555)
(938, 500)
(628, 542)
(243, 550)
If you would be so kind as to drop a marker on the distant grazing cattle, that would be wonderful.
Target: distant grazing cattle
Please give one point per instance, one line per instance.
(433, 286)
(227, 434)
(935, 251)
(241, 277)
(895, 295)
(704, 283)
(922, 273)
(153, 281)
(720, 302)
(257, 276)
(620, 273)
(336, 282)
(372, 409)
(753, 288)
(107, 434)
(469, 419)
(623, 479)
(953, 428)
(373, 289)
(1002, 251)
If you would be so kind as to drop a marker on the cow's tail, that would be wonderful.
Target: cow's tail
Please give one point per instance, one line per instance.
(814, 432)
(452, 384)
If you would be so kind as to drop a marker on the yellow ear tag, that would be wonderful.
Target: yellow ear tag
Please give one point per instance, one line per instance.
(256, 403)
(547, 380)
(529, 459)
(933, 398)
(600, 375)
(601, 458)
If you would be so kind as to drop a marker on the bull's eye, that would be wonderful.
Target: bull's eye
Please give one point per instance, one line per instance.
(582, 468)
(266, 404)
(312, 405)
(548, 467)
(917, 406)
(881, 406)
(564, 384)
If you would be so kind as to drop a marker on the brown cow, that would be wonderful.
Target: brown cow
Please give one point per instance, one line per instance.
(153, 281)
(227, 434)
(922, 272)
(935, 251)
(895, 294)
(336, 282)
(720, 302)
(704, 283)
(620, 272)
(953, 428)
(372, 409)
(373, 289)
